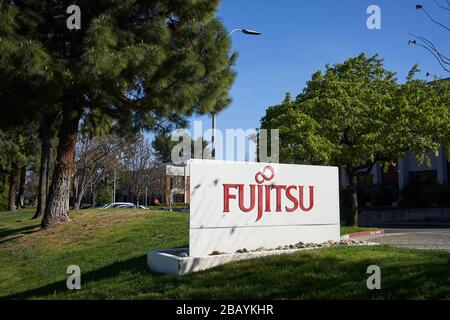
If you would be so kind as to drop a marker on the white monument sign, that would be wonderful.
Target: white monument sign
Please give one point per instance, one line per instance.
(237, 205)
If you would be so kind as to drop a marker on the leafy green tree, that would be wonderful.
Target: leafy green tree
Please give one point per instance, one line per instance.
(29, 89)
(135, 61)
(105, 194)
(17, 150)
(163, 145)
(355, 115)
(3, 197)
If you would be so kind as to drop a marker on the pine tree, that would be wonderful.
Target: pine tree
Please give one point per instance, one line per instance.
(17, 150)
(136, 61)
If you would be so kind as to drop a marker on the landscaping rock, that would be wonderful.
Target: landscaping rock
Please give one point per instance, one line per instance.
(300, 245)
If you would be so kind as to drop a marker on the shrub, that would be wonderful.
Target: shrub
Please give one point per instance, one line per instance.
(436, 195)
(104, 196)
(411, 196)
(379, 195)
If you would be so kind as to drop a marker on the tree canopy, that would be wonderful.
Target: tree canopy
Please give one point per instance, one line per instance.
(137, 63)
(356, 115)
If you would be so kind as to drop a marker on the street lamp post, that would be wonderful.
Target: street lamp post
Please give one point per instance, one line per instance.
(213, 115)
(114, 186)
(146, 190)
(146, 198)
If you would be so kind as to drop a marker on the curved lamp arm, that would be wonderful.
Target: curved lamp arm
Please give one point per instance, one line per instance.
(245, 31)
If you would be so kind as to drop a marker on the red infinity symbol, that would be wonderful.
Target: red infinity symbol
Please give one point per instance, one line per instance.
(262, 176)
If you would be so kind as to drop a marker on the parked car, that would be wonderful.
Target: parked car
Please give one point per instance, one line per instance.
(116, 205)
(123, 205)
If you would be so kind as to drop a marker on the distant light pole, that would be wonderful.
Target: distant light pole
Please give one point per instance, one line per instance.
(146, 190)
(213, 115)
(146, 193)
(114, 186)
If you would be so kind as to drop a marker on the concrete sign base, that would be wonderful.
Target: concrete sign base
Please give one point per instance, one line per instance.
(176, 262)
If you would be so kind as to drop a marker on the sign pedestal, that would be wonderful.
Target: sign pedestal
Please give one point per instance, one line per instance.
(169, 262)
(251, 207)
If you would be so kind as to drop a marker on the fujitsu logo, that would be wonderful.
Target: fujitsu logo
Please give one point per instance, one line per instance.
(289, 198)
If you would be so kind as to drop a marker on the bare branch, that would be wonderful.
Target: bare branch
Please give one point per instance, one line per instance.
(432, 47)
(441, 6)
(420, 7)
(437, 58)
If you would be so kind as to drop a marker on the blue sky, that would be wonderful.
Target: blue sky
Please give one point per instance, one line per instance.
(300, 37)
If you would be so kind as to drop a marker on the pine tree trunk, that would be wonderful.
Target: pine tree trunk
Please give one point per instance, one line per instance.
(353, 188)
(45, 135)
(57, 208)
(20, 197)
(12, 190)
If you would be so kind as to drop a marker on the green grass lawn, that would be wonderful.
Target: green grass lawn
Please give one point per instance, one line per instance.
(347, 230)
(110, 248)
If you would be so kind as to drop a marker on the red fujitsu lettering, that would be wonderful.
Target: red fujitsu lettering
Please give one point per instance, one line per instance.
(260, 196)
(227, 196)
(252, 198)
(311, 199)
(268, 188)
(292, 198)
(279, 189)
(260, 202)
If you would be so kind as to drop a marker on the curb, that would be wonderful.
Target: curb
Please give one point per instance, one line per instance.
(366, 233)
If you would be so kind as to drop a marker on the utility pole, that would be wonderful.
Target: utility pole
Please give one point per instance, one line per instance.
(146, 196)
(114, 187)
(146, 193)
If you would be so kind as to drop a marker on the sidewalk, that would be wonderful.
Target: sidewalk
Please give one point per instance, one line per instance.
(418, 238)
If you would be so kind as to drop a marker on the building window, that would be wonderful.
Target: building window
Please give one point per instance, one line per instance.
(420, 178)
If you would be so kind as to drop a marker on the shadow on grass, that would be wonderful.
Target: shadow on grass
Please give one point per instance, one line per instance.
(300, 276)
(4, 233)
(134, 265)
(319, 278)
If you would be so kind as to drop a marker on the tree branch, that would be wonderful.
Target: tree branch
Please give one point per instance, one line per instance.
(442, 60)
(443, 7)
(430, 44)
(420, 7)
